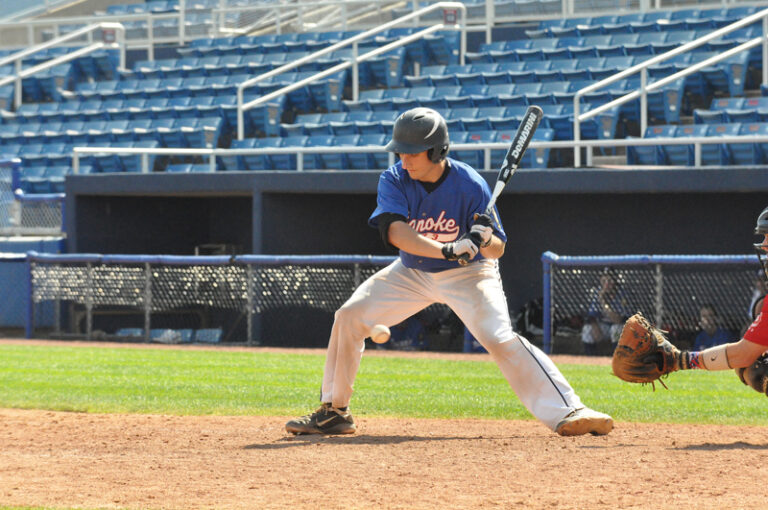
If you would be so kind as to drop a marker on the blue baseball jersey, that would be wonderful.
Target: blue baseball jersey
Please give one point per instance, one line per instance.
(444, 214)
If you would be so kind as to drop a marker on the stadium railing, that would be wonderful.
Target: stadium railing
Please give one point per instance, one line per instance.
(645, 87)
(245, 19)
(487, 148)
(457, 23)
(112, 33)
(668, 289)
(33, 30)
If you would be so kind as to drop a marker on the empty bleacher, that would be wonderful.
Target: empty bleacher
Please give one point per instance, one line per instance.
(190, 101)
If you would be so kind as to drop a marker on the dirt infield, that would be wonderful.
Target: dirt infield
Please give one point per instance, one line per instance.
(79, 460)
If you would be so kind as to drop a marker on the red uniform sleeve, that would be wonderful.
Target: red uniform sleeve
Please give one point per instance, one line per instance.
(758, 331)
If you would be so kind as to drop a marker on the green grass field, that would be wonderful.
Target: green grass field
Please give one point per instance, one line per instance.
(199, 382)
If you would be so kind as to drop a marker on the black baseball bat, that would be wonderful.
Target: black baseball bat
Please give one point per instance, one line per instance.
(520, 142)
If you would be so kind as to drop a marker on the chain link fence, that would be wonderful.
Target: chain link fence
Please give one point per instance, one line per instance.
(26, 215)
(249, 299)
(669, 290)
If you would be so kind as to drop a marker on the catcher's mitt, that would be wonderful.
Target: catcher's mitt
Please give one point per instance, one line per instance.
(644, 354)
(756, 375)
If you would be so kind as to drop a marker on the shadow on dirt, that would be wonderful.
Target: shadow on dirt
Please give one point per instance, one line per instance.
(304, 440)
(738, 445)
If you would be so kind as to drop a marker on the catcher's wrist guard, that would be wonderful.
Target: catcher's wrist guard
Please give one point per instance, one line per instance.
(644, 354)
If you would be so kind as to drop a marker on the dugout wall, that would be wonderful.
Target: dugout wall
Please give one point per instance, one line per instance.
(579, 212)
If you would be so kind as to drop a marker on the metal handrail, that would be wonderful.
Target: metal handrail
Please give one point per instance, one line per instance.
(643, 66)
(149, 42)
(355, 58)
(295, 10)
(18, 57)
(697, 142)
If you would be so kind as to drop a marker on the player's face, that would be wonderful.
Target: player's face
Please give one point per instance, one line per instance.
(421, 168)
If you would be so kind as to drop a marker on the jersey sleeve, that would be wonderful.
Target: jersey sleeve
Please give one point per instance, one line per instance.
(498, 228)
(390, 198)
(758, 330)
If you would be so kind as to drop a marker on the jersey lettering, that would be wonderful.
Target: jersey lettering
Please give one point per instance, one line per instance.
(440, 229)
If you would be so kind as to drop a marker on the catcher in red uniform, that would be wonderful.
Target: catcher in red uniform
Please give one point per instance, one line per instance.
(644, 354)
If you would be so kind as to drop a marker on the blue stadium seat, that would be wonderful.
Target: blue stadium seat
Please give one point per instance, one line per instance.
(372, 160)
(179, 168)
(749, 153)
(339, 160)
(718, 154)
(288, 161)
(474, 158)
(751, 115)
(236, 162)
(263, 161)
(666, 104)
(729, 76)
(650, 154)
(682, 155)
(701, 116)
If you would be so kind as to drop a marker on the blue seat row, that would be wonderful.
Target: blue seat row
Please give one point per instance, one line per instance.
(374, 160)
(89, 163)
(203, 132)
(471, 119)
(337, 160)
(324, 94)
(730, 13)
(613, 45)
(711, 154)
(261, 120)
(633, 27)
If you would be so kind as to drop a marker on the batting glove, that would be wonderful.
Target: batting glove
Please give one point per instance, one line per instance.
(481, 231)
(465, 245)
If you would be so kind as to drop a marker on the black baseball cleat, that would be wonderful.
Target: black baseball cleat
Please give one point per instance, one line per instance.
(326, 420)
(583, 421)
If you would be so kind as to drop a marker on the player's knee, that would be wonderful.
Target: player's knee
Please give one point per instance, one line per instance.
(349, 314)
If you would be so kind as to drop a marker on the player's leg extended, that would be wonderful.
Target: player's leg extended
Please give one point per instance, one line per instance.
(388, 297)
(476, 295)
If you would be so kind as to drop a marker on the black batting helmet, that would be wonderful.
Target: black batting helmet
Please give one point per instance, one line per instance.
(761, 228)
(419, 130)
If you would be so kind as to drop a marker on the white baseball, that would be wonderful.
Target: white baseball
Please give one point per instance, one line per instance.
(379, 333)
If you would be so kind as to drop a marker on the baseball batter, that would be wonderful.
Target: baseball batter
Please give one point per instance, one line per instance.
(430, 207)
(638, 360)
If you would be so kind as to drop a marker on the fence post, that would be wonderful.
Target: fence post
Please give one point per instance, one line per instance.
(147, 300)
(249, 301)
(357, 276)
(546, 326)
(89, 301)
(29, 321)
(659, 311)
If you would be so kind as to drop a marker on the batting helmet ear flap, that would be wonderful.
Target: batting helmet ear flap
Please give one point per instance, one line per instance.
(436, 156)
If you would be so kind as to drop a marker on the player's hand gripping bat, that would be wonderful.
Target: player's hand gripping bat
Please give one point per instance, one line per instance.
(515, 153)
